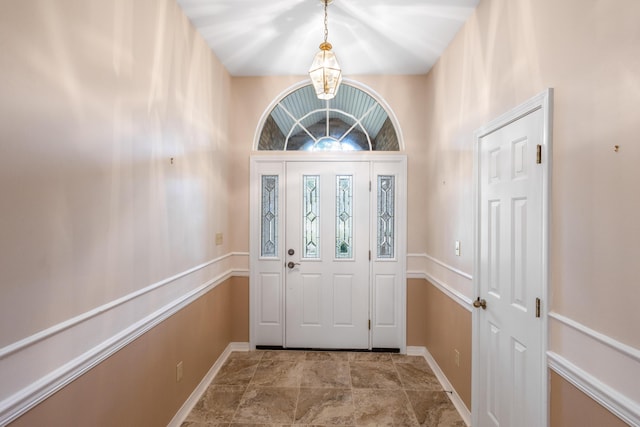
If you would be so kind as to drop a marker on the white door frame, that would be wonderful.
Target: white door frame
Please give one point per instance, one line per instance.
(544, 102)
(399, 306)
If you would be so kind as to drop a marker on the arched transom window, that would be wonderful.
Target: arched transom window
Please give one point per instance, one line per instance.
(352, 121)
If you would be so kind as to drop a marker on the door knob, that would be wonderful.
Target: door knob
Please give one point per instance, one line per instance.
(292, 264)
(480, 303)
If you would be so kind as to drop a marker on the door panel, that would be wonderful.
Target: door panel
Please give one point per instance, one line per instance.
(510, 276)
(327, 228)
(270, 307)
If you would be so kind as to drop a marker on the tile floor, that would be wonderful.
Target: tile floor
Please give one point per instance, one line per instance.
(284, 388)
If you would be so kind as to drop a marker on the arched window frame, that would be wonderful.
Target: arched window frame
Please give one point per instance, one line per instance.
(357, 122)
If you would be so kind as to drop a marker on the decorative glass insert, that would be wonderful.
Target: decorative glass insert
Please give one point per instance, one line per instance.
(269, 216)
(344, 216)
(311, 216)
(353, 120)
(386, 215)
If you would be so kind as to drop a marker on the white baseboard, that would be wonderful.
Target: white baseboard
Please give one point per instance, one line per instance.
(446, 385)
(199, 391)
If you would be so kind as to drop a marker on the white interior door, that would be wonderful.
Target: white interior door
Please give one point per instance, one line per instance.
(509, 373)
(327, 255)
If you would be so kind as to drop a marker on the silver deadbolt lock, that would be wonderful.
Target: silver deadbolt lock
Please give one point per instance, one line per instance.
(291, 252)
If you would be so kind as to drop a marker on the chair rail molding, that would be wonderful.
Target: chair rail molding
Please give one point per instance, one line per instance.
(76, 345)
(603, 368)
(455, 283)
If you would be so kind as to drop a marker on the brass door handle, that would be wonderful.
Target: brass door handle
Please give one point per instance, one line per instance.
(292, 264)
(480, 303)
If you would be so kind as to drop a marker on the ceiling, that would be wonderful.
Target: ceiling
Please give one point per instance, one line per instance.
(280, 37)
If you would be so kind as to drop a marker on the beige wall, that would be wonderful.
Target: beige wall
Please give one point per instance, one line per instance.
(137, 385)
(97, 97)
(572, 408)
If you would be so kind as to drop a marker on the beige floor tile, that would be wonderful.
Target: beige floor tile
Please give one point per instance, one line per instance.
(217, 405)
(278, 373)
(325, 407)
(258, 425)
(326, 374)
(413, 360)
(314, 389)
(369, 357)
(284, 355)
(236, 372)
(249, 355)
(417, 377)
(434, 409)
(337, 356)
(267, 405)
(383, 408)
(202, 424)
(374, 375)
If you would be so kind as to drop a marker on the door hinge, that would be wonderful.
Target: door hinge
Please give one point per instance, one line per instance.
(369, 324)
(369, 186)
(537, 307)
(369, 255)
(539, 154)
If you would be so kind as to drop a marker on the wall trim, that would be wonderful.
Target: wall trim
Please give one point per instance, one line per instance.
(199, 391)
(445, 265)
(598, 365)
(625, 349)
(55, 329)
(456, 296)
(448, 290)
(615, 402)
(30, 391)
(446, 385)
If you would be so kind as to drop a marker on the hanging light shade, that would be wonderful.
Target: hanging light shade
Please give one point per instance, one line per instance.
(325, 72)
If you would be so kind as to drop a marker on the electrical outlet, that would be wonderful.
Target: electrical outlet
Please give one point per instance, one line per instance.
(457, 247)
(179, 372)
(456, 357)
(219, 239)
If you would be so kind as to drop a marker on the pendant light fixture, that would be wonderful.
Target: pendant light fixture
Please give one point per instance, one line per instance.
(325, 72)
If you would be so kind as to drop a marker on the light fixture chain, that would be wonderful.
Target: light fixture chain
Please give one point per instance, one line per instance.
(326, 21)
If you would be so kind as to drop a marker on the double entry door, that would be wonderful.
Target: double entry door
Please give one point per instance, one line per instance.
(325, 266)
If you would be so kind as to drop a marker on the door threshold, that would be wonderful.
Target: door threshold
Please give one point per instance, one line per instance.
(351, 350)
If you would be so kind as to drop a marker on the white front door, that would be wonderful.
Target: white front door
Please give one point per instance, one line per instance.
(344, 222)
(327, 255)
(509, 369)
